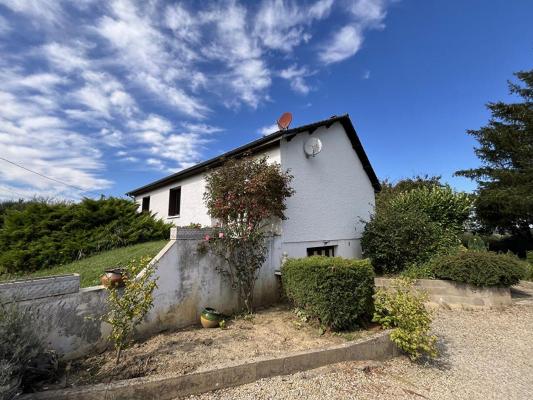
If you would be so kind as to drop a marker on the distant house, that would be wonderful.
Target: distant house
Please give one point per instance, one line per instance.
(334, 182)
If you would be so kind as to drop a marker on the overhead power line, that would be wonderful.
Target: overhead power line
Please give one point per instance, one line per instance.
(48, 177)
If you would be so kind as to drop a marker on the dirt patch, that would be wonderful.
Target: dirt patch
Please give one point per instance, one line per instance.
(270, 332)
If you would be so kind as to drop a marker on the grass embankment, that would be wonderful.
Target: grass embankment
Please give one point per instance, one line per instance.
(91, 268)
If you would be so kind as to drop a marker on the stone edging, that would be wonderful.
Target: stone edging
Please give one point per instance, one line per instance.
(378, 347)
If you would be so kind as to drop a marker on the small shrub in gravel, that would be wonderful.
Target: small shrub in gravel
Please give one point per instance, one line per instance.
(402, 307)
(335, 290)
(478, 268)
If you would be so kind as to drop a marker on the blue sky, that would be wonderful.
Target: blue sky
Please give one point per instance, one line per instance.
(110, 95)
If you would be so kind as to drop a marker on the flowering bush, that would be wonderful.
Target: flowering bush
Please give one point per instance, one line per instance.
(244, 196)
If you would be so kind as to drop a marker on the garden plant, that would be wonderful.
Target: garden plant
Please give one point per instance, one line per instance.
(127, 306)
(401, 307)
(245, 196)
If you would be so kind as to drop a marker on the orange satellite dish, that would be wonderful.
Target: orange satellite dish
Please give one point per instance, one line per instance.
(284, 121)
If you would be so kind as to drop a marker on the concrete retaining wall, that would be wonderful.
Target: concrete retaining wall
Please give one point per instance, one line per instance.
(68, 318)
(450, 294)
(378, 347)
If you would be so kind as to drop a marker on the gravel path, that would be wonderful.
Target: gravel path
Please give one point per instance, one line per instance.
(485, 355)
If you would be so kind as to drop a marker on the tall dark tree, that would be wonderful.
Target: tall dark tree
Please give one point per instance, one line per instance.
(505, 178)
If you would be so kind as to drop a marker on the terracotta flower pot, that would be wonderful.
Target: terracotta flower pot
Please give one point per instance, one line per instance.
(113, 277)
(210, 318)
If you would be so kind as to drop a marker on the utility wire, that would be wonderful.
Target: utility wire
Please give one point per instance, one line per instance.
(47, 177)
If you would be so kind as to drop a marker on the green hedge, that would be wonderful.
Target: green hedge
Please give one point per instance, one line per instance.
(478, 268)
(337, 291)
(41, 234)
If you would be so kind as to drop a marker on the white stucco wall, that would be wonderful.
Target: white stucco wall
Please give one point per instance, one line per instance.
(333, 192)
(192, 209)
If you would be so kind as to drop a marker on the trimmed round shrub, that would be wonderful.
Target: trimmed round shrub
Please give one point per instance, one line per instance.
(479, 268)
(336, 291)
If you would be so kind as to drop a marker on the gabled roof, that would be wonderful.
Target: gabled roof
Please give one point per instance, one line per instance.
(268, 141)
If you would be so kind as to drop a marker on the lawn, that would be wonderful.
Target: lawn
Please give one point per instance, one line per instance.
(91, 268)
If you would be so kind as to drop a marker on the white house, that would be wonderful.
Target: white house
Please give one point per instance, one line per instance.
(334, 185)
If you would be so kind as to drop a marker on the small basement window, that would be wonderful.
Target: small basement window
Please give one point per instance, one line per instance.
(146, 204)
(174, 200)
(328, 251)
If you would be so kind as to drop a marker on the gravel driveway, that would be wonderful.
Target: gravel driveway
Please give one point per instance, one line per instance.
(485, 355)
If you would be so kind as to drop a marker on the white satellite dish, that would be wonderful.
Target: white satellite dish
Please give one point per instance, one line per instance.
(312, 147)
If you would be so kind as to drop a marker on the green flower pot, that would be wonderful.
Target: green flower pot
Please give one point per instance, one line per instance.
(210, 318)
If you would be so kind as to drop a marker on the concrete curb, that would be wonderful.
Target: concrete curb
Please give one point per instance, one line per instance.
(378, 347)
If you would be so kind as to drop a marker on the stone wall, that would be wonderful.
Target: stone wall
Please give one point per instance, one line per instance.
(450, 294)
(188, 281)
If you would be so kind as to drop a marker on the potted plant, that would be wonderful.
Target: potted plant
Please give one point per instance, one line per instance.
(113, 277)
(210, 318)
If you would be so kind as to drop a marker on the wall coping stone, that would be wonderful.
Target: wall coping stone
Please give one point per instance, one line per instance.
(179, 233)
(36, 288)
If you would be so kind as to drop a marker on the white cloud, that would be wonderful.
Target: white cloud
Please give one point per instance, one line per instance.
(143, 49)
(105, 95)
(268, 129)
(66, 58)
(200, 128)
(366, 74)
(182, 23)
(174, 148)
(41, 11)
(365, 14)
(113, 138)
(344, 44)
(243, 68)
(281, 25)
(4, 26)
(369, 12)
(295, 76)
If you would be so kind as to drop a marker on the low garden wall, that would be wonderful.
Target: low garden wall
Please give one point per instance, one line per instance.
(68, 317)
(450, 294)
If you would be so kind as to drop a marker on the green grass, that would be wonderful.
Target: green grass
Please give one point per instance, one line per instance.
(91, 268)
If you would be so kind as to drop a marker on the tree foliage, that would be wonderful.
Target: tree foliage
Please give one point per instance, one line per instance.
(414, 225)
(505, 179)
(244, 196)
(42, 234)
